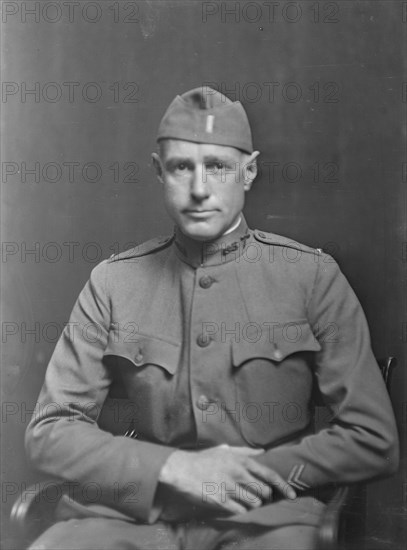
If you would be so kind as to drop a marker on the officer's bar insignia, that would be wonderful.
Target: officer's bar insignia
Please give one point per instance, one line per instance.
(209, 124)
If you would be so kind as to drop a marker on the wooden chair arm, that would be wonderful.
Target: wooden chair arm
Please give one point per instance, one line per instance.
(34, 509)
(386, 367)
(327, 536)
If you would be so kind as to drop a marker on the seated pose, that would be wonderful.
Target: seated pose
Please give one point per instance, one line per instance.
(221, 337)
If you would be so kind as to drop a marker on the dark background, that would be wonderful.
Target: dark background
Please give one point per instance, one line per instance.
(335, 129)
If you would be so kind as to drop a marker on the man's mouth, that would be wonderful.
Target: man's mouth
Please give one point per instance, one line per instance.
(198, 211)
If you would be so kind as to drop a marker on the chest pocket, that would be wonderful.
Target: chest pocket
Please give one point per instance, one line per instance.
(142, 368)
(276, 343)
(273, 382)
(142, 350)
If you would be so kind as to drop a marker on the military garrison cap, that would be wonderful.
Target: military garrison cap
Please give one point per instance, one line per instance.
(204, 115)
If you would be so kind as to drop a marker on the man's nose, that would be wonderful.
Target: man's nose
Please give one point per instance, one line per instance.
(199, 184)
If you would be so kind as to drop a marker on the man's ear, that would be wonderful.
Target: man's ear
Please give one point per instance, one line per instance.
(250, 170)
(158, 166)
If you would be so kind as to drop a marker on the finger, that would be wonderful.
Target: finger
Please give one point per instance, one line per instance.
(252, 484)
(234, 507)
(237, 508)
(272, 478)
(257, 488)
(226, 505)
(252, 494)
(245, 450)
(248, 489)
(244, 498)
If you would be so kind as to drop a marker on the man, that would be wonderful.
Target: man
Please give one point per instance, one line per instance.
(221, 336)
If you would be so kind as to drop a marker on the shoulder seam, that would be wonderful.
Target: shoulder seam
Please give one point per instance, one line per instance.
(153, 245)
(279, 240)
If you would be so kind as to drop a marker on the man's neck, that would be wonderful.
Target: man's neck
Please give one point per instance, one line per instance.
(233, 226)
(224, 249)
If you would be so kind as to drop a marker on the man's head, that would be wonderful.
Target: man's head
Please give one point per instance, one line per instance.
(206, 162)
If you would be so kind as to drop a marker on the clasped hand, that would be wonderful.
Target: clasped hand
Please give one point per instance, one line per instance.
(227, 479)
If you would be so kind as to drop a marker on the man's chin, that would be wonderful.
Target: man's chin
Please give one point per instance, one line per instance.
(202, 232)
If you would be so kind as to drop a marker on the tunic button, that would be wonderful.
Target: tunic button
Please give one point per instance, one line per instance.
(278, 355)
(139, 358)
(205, 282)
(203, 341)
(202, 402)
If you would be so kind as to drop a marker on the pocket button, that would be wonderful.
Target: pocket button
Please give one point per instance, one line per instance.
(278, 355)
(202, 402)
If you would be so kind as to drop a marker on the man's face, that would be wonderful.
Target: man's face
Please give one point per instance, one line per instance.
(204, 185)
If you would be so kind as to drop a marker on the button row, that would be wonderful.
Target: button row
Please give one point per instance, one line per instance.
(202, 403)
(203, 341)
(206, 281)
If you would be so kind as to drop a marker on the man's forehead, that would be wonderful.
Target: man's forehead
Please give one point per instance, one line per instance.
(187, 149)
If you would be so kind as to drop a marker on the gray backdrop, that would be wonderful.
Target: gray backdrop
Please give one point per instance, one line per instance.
(323, 86)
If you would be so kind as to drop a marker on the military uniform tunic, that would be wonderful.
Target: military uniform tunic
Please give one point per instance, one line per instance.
(222, 342)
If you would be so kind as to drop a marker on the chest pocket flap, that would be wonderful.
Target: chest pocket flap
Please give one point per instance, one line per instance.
(276, 343)
(143, 350)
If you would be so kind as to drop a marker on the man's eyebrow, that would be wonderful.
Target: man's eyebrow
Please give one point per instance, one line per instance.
(177, 160)
(208, 159)
(220, 158)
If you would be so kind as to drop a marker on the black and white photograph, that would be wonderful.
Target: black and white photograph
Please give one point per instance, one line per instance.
(203, 275)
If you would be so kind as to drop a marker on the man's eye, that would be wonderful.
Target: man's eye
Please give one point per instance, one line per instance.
(216, 165)
(181, 166)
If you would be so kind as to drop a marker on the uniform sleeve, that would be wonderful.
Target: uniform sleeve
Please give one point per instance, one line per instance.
(63, 439)
(361, 441)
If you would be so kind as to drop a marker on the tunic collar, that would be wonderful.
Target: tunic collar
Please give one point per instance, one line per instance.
(207, 253)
